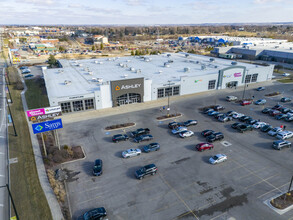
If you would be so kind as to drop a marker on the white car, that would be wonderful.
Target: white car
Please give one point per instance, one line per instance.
(284, 135)
(231, 98)
(237, 115)
(259, 124)
(178, 130)
(275, 131)
(131, 153)
(187, 133)
(286, 74)
(219, 158)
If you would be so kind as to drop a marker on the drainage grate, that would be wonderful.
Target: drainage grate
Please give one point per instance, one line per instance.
(226, 143)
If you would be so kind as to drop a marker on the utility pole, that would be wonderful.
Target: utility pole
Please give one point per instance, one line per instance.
(12, 201)
(169, 90)
(15, 134)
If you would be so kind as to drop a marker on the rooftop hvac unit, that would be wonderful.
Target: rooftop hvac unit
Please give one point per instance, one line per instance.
(120, 64)
(186, 55)
(234, 63)
(132, 69)
(166, 65)
(67, 82)
(60, 71)
(90, 73)
(109, 59)
(99, 80)
(125, 75)
(80, 64)
(168, 55)
(138, 71)
(160, 71)
(212, 59)
(96, 61)
(203, 66)
(170, 61)
(216, 67)
(94, 79)
(197, 62)
(291, 48)
(127, 61)
(147, 60)
(101, 62)
(186, 69)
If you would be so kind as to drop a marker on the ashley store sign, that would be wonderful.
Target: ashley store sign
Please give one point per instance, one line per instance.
(133, 86)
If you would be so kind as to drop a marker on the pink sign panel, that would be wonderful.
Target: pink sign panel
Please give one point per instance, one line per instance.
(237, 74)
(35, 112)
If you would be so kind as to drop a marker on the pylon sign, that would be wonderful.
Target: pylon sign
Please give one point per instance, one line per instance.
(47, 126)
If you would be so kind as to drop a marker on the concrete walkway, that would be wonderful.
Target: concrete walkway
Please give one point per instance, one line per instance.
(51, 198)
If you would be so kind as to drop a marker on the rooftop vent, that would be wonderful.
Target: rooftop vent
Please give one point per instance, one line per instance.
(166, 65)
(60, 71)
(120, 64)
(90, 73)
(125, 75)
(99, 80)
(197, 61)
(234, 63)
(212, 59)
(160, 71)
(138, 71)
(147, 60)
(127, 61)
(203, 67)
(186, 69)
(186, 55)
(132, 69)
(168, 55)
(215, 67)
(291, 48)
(80, 64)
(109, 59)
(67, 82)
(170, 61)
(96, 61)
(101, 62)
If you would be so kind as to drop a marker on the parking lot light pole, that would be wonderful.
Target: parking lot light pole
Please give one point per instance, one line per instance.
(12, 201)
(169, 84)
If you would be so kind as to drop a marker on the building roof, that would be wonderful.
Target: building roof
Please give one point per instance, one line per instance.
(86, 75)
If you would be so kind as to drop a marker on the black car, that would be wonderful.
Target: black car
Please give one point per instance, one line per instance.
(23, 67)
(189, 123)
(140, 131)
(146, 170)
(230, 113)
(151, 147)
(219, 115)
(218, 107)
(280, 116)
(285, 110)
(242, 128)
(215, 137)
(244, 118)
(98, 167)
(174, 124)
(145, 137)
(208, 110)
(235, 125)
(284, 99)
(251, 121)
(289, 118)
(206, 133)
(266, 110)
(95, 214)
(277, 107)
(266, 128)
(120, 137)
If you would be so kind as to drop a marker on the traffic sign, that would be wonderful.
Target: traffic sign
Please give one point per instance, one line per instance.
(47, 126)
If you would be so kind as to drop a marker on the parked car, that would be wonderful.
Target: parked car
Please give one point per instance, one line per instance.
(187, 133)
(215, 137)
(259, 124)
(216, 116)
(23, 67)
(289, 118)
(285, 110)
(28, 76)
(266, 110)
(98, 167)
(150, 169)
(208, 110)
(211, 113)
(219, 158)
(204, 146)
(278, 145)
(251, 121)
(260, 102)
(277, 107)
(260, 88)
(120, 137)
(235, 125)
(285, 99)
(190, 123)
(280, 116)
(225, 118)
(286, 74)
(284, 135)
(25, 71)
(178, 130)
(131, 153)
(231, 98)
(151, 147)
(266, 128)
(218, 107)
(206, 133)
(243, 103)
(274, 112)
(275, 131)
(231, 113)
(144, 137)
(174, 124)
(140, 131)
(244, 118)
(242, 128)
(97, 213)
(237, 115)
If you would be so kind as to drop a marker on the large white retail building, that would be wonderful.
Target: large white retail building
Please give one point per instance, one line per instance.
(110, 82)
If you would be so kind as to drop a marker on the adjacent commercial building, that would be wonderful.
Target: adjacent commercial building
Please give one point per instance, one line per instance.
(111, 82)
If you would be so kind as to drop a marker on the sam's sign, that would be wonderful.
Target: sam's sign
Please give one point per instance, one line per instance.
(47, 126)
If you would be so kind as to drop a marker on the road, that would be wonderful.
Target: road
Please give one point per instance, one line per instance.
(4, 176)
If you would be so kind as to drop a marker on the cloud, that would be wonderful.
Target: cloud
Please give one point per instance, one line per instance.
(135, 2)
(38, 2)
(267, 1)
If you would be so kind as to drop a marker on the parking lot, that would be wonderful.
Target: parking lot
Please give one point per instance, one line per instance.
(186, 186)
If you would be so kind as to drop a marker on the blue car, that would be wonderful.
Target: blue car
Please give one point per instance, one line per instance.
(151, 147)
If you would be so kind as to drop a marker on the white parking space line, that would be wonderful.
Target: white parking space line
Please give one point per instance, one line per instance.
(271, 191)
(263, 180)
(239, 178)
(85, 201)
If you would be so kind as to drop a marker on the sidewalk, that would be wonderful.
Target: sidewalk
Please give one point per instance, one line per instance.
(87, 115)
(51, 198)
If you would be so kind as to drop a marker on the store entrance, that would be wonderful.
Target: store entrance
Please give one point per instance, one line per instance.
(128, 98)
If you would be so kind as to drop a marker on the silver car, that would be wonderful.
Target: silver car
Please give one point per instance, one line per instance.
(131, 153)
(275, 131)
(219, 158)
(178, 130)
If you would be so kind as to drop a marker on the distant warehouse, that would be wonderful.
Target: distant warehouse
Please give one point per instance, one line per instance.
(104, 83)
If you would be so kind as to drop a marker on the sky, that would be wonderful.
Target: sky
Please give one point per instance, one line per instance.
(144, 12)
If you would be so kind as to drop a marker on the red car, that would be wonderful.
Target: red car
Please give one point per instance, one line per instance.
(204, 146)
(243, 103)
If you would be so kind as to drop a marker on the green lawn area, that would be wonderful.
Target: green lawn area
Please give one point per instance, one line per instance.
(285, 80)
(36, 94)
(26, 190)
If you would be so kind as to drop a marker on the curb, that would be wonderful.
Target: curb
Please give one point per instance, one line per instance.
(279, 211)
(76, 159)
(115, 129)
(165, 119)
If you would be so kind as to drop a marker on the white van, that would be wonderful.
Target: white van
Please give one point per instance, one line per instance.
(285, 135)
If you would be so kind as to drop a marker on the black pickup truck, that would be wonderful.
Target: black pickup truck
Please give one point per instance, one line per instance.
(139, 132)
